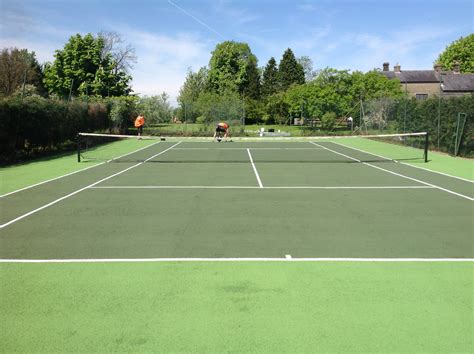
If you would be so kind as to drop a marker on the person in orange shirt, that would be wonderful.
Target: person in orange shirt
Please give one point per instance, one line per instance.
(139, 123)
(222, 127)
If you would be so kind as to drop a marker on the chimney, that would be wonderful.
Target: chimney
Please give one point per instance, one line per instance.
(456, 68)
(397, 68)
(386, 66)
(437, 67)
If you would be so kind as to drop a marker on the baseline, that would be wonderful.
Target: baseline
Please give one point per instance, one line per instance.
(276, 259)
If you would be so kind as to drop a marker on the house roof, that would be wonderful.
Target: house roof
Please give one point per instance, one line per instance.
(451, 82)
(458, 82)
(413, 76)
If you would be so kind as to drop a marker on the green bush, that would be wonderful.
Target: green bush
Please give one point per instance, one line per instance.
(36, 125)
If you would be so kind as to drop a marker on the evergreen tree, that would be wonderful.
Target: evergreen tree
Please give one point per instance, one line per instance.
(290, 71)
(252, 88)
(270, 82)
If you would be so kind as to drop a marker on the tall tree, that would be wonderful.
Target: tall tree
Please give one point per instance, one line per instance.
(18, 66)
(194, 85)
(290, 71)
(82, 68)
(233, 68)
(270, 81)
(460, 51)
(307, 64)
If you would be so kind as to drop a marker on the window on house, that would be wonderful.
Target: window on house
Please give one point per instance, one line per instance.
(421, 96)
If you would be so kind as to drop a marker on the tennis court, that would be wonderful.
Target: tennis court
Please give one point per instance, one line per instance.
(184, 245)
(186, 199)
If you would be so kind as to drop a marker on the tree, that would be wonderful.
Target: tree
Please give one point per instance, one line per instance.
(194, 85)
(233, 67)
(460, 51)
(307, 65)
(18, 66)
(214, 107)
(290, 71)
(81, 68)
(270, 82)
(156, 109)
(123, 56)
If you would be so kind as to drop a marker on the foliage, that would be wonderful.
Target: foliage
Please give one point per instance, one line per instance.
(37, 125)
(156, 109)
(328, 120)
(233, 67)
(82, 68)
(290, 71)
(338, 91)
(214, 107)
(194, 85)
(123, 111)
(270, 80)
(307, 65)
(18, 66)
(460, 51)
(276, 109)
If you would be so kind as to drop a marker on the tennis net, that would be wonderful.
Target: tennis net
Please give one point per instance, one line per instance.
(339, 149)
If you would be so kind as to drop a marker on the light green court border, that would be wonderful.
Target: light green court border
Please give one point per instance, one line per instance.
(243, 307)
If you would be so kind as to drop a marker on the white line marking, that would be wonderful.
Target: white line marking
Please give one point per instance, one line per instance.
(288, 256)
(398, 174)
(69, 174)
(254, 187)
(82, 189)
(255, 169)
(133, 260)
(404, 163)
(252, 148)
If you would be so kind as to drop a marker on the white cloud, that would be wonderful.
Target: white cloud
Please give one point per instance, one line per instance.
(163, 60)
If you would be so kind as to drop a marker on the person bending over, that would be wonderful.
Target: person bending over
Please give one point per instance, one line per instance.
(222, 128)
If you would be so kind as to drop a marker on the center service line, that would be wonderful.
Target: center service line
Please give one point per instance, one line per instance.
(84, 188)
(255, 170)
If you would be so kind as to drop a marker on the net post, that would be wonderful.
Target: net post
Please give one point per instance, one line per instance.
(426, 147)
(78, 147)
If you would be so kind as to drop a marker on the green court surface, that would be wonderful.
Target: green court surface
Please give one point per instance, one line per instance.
(243, 246)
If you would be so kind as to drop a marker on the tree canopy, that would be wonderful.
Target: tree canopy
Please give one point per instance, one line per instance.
(233, 67)
(461, 52)
(81, 67)
(18, 66)
(290, 71)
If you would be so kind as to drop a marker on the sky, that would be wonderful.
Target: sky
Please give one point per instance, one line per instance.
(173, 36)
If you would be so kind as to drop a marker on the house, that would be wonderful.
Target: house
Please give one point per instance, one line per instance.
(429, 83)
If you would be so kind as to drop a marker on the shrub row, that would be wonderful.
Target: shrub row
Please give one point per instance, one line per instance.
(36, 125)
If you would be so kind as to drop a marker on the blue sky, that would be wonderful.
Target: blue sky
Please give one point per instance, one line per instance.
(171, 36)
